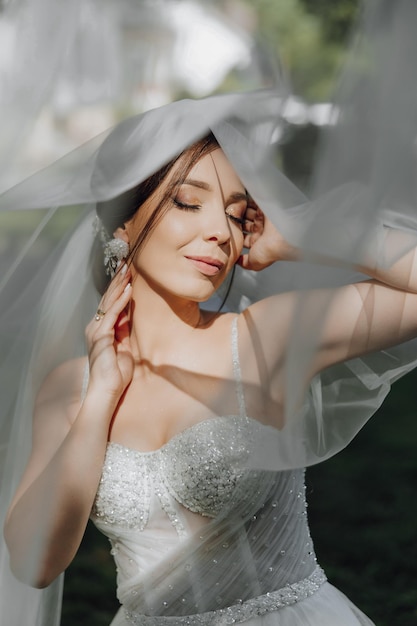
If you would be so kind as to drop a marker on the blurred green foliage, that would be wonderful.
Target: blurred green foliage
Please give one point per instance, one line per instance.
(336, 17)
(363, 511)
(19, 228)
(309, 37)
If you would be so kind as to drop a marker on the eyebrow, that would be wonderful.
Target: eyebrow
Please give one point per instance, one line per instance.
(237, 197)
(197, 183)
(200, 184)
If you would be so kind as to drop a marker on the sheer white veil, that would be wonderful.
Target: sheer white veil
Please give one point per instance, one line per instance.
(364, 183)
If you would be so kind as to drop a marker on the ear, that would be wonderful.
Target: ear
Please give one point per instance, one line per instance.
(121, 233)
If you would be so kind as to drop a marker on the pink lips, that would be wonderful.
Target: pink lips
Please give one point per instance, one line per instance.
(206, 265)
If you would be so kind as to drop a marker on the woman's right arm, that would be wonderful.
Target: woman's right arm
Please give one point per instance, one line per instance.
(50, 510)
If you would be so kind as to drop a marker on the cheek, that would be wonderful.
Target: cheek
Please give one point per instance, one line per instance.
(165, 239)
(236, 243)
(172, 231)
(176, 232)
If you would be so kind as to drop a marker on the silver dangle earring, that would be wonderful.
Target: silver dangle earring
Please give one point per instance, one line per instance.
(114, 248)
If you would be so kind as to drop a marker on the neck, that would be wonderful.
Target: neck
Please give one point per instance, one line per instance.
(159, 322)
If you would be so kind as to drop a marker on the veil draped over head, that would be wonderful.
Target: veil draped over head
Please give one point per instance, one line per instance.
(364, 183)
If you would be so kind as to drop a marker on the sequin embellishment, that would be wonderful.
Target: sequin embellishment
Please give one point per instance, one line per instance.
(206, 464)
(199, 468)
(238, 613)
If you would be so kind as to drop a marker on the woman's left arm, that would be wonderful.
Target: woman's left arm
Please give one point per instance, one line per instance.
(359, 318)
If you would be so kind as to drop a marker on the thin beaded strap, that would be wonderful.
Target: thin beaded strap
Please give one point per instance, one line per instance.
(236, 369)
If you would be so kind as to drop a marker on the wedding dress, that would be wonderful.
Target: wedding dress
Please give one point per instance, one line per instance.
(150, 504)
(247, 554)
(224, 520)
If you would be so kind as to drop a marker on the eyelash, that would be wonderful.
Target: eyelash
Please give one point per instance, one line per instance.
(196, 207)
(186, 207)
(237, 220)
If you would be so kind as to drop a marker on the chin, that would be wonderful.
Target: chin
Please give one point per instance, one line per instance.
(198, 291)
(206, 295)
(200, 297)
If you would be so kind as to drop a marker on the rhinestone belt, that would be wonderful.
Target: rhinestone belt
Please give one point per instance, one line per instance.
(237, 613)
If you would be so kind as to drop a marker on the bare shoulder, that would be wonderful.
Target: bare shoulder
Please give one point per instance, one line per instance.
(268, 319)
(62, 387)
(264, 328)
(264, 323)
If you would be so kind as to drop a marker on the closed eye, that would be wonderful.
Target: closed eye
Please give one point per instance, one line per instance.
(196, 207)
(185, 206)
(234, 218)
(236, 208)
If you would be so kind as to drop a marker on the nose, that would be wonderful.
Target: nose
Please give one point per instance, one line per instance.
(217, 227)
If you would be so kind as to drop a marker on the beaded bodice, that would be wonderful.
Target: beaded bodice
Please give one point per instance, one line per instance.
(199, 468)
(148, 503)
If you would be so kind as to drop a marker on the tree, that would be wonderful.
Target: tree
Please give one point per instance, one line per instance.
(336, 17)
(309, 36)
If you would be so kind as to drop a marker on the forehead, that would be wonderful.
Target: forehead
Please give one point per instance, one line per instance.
(216, 171)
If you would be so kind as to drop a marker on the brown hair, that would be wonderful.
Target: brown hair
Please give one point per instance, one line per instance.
(116, 212)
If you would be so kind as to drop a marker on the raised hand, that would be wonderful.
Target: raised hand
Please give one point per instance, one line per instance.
(264, 242)
(109, 352)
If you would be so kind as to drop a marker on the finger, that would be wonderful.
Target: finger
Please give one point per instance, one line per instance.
(116, 287)
(122, 334)
(122, 327)
(115, 309)
(248, 226)
(104, 325)
(250, 213)
(243, 261)
(119, 278)
(248, 240)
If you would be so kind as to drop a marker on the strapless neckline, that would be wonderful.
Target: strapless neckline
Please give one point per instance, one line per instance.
(194, 428)
(203, 468)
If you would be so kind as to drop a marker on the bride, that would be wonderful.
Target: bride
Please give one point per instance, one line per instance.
(181, 434)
